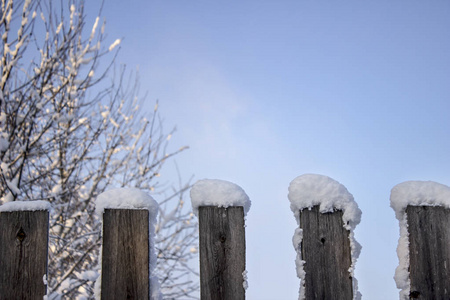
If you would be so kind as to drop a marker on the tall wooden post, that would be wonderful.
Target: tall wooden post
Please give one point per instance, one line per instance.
(327, 255)
(429, 251)
(222, 253)
(125, 254)
(23, 254)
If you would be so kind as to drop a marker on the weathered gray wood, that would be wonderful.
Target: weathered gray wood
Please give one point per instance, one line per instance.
(222, 253)
(125, 254)
(327, 255)
(429, 252)
(23, 254)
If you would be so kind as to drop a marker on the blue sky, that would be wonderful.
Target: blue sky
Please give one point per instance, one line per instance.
(265, 91)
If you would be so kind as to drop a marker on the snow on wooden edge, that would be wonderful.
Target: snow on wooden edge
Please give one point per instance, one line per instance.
(26, 206)
(220, 193)
(414, 193)
(309, 190)
(131, 198)
(126, 198)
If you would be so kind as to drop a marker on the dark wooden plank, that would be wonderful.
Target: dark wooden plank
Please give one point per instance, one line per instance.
(23, 254)
(125, 254)
(327, 255)
(222, 253)
(429, 252)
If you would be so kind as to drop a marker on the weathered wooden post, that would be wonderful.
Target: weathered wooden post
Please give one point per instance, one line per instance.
(423, 209)
(222, 252)
(325, 244)
(23, 249)
(429, 251)
(128, 258)
(326, 250)
(125, 254)
(221, 208)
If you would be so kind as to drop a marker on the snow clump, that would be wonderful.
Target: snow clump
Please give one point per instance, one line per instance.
(129, 198)
(220, 193)
(26, 206)
(310, 190)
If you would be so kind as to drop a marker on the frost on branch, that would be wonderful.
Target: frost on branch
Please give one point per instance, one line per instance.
(72, 125)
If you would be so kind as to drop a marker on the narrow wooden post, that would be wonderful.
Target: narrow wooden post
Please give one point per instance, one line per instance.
(327, 255)
(125, 254)
(222, 253)
(23, 254)
(429, 251)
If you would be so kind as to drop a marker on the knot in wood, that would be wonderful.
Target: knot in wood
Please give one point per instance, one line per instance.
(414, 294)
(222, 238)
(21, 235)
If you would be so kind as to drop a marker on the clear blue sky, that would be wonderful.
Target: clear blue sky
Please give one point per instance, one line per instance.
(264, 91)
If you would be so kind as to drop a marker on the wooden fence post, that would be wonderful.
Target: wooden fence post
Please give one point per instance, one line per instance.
(429, 251)
(327, 255)
(125, 254)
(23, 254)
(222, 253)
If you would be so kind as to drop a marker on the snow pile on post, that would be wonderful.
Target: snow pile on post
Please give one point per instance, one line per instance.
(309, 190)
(220, 193)
(126, 199)
(414, 193)
(131, 198)
(26, 206)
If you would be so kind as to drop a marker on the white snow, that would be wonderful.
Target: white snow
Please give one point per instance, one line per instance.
(131, 198)
(310, 190)
(220, 193)
(126, 198)
(245, 278)
(414, 193)
(12, 185)
(114, 45)
(88, 275)
(4, 144)
(26, 206)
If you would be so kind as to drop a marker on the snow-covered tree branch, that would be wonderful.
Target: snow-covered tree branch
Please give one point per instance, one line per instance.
(71, 125)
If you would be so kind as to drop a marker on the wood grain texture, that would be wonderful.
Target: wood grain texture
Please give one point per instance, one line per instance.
(125, 254)
(23, 254)
(326, 251)
(429, 248)
(222, 253)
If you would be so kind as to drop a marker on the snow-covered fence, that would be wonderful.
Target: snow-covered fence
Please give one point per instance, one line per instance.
(128, 257)
(23, 249)
(221, 207)
(423, 211)
(325, 244)
(324, 241)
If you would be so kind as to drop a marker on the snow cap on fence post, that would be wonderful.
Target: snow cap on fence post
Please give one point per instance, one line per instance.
(413, 193)
(309, 190)
(26, 206)
(220, 193)
(221, 207)
(132, 198)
